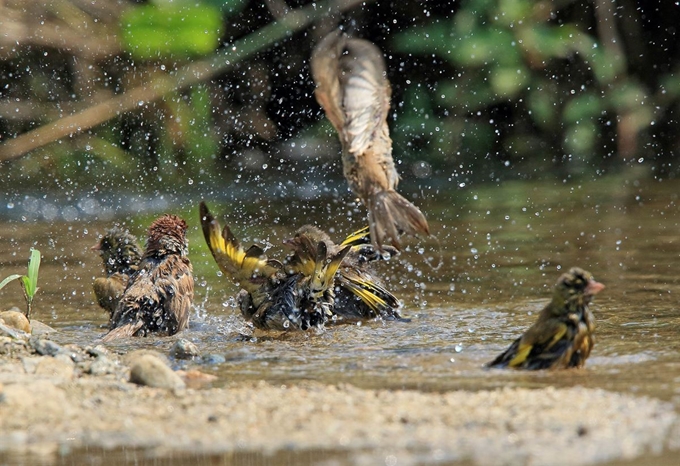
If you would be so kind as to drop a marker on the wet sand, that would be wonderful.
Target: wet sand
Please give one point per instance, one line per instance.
(50, 405)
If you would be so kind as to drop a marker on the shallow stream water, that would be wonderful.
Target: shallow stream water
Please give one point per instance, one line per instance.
(469, 291)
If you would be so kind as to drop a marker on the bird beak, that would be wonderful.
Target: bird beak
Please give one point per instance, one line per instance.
(593, 287)
(96, 247)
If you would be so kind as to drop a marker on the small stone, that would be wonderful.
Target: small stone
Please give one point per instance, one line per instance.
(16, 320)
(102, 366)
(130, 358)
(150, 370)
(45, 347)
(39, 329)
(60, 367)
(30, 363)
(184, 349)
(196, 379)
(15, 334)
(213, 359)
(97, 351)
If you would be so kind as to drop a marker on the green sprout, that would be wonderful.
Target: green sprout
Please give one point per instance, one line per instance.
(29, 283)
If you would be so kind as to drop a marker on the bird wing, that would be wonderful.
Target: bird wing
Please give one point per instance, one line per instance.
(542, 345)
(181, 288)
(325, 268)
(357, 238)
(108, 290)
(248, 268)
(373, 294)
(352, 88)
(366, 93)
(325, 71)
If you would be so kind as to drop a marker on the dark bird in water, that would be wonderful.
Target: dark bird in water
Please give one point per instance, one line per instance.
(352, 88)
(121, 255)
(359, 293)
(159, 295)
(562, 337)
(271, 298)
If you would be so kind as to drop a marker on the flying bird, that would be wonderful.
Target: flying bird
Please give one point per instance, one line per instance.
(562, 336)
(159, 294)
(352, 88)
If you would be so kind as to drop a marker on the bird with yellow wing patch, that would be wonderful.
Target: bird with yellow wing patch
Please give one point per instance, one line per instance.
(562, 337)
(359, 293)
(272, 298)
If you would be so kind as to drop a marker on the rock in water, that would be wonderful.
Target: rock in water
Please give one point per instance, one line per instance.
(184, 349)
(151, 371)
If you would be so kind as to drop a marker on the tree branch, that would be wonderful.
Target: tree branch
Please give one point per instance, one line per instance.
(193, 73)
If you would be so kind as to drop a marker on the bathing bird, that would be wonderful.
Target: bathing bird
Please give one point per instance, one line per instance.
(121, 255)
(562, 336)
(159, 295)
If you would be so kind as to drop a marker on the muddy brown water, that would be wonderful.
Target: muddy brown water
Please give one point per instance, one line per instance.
(501, 249)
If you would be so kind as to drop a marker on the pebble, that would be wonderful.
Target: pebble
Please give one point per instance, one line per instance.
(130, 358)
(102, 366)
(214, 359)
(150, 370)
(30, 363)
(60, 367)
(45, 347)
(39, 329)
(7, 331)
(16, 320)
(184, 349)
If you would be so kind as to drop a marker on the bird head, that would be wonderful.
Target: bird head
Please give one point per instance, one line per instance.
(576, 288)
(167, 235)
(119, 250)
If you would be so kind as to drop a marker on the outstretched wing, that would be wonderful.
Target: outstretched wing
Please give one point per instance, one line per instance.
(248, 269)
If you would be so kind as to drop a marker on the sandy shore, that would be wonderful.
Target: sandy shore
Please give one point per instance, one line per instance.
(71, 398)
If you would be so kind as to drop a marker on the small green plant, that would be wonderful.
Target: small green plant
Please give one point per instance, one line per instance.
(29, 282)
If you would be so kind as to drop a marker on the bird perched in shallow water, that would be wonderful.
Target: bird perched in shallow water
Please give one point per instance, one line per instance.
(121, 255)
(562, 336)
(271, 298)
(159, 295)
(359, 293)
(352, 88)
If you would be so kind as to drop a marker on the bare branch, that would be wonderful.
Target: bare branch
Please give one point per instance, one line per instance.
(159, 86)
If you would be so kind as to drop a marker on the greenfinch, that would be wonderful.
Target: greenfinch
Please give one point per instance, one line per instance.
(562, 336)
(271, 298)
(352, 88)
(159, 295)
(359, 293)
(121, 256)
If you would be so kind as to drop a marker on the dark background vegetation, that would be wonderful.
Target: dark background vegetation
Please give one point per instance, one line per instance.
(483, 90)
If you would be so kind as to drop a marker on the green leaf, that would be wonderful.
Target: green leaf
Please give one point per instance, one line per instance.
(544, 42)
(421, 40)
(583, 107)
(170, 30)
(508, 81)
(32, 278)
(9, 279)
(580, 138)
(512, 12)
(485, 46)
(542, 103)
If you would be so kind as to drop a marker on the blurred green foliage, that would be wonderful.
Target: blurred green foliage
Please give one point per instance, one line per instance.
(482, 89)
(556, 82)
(170, 30)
